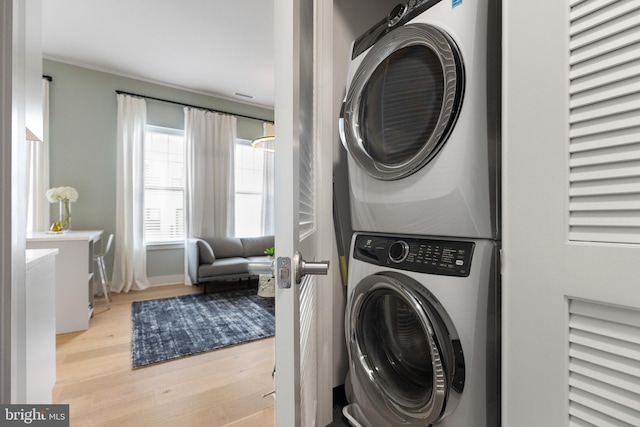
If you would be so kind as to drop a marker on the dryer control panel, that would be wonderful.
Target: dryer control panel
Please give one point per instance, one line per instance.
(398, 16)
(431, 256)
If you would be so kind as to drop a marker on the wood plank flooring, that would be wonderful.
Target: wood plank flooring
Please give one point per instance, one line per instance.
(220, 388)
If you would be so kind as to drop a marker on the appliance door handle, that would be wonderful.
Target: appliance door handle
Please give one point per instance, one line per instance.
(440, 382)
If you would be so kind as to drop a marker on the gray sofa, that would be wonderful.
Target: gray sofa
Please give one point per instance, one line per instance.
(214, 259)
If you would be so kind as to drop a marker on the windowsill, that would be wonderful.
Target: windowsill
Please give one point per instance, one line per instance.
(160, 246)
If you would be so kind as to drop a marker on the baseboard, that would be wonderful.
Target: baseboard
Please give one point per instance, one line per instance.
(176, 279)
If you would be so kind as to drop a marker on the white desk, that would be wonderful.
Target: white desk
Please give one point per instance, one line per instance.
(74, 275)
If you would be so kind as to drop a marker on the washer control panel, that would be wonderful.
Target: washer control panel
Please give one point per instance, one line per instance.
(431, 256)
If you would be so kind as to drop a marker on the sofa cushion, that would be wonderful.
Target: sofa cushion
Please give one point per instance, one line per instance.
(255, 246)
(225, 247)
(205, 253)
(224, 267)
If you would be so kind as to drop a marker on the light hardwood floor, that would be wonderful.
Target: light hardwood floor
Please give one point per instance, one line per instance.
(220, 388)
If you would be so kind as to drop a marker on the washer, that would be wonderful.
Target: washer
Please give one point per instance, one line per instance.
(419, 125)
(422, 332)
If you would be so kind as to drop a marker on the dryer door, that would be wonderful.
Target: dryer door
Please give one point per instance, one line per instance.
(403, 101)
(404, 350)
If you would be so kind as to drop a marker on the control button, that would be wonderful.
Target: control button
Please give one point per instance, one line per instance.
(398, 251)
(396, 14)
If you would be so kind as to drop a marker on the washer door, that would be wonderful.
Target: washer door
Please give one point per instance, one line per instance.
(404, 349)
(403, 101)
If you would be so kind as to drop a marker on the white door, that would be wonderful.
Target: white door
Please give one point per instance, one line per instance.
(571, 213)
(302, 209)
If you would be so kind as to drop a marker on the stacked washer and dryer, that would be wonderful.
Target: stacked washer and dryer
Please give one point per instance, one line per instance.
(420, 122)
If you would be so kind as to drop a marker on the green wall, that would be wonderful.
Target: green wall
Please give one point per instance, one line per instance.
(82, 136)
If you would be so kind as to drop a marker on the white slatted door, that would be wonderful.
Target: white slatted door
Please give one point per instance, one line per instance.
(604, 116)
(604, 351)
(301, 385)
(571, 213)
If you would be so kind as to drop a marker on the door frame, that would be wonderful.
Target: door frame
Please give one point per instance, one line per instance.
(325, 121)
(6, 242)
(14, 16)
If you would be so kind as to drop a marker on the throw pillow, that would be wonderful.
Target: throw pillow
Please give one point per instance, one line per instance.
(205, 252)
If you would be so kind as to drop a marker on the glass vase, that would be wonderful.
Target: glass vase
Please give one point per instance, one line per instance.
(65, 214)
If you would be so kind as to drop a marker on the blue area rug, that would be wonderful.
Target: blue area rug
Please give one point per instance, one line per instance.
(170, 328)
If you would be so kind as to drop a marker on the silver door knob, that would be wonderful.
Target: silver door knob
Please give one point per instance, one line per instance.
(262, 267)
(303, 267)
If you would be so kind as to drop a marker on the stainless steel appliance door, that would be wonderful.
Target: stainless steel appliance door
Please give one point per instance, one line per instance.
(405, 349)
(403, 101)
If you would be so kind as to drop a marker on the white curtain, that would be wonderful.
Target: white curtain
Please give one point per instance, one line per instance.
(130, 262)
(38, 172)
(267, 216)
(210, 187)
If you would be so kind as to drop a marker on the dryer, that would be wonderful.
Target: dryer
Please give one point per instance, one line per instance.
(420, 121)
(422, 330)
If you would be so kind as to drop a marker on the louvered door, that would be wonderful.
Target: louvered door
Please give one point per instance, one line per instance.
(303, 394)
(571, 213)
(604, 121)
(604, 373)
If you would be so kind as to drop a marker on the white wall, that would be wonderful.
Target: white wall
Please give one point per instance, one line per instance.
(33, 77)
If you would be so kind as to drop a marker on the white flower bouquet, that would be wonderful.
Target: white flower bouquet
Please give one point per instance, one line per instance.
(62, 194)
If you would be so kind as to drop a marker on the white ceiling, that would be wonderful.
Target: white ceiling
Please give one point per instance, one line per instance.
(217, 47)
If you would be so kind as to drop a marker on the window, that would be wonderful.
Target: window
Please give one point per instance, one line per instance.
(248, 182)
(164, 180)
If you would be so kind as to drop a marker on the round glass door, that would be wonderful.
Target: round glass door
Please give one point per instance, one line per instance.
(403, 101)
(407, 353)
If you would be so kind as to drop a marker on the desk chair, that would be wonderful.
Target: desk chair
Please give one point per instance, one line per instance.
(102, 271)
